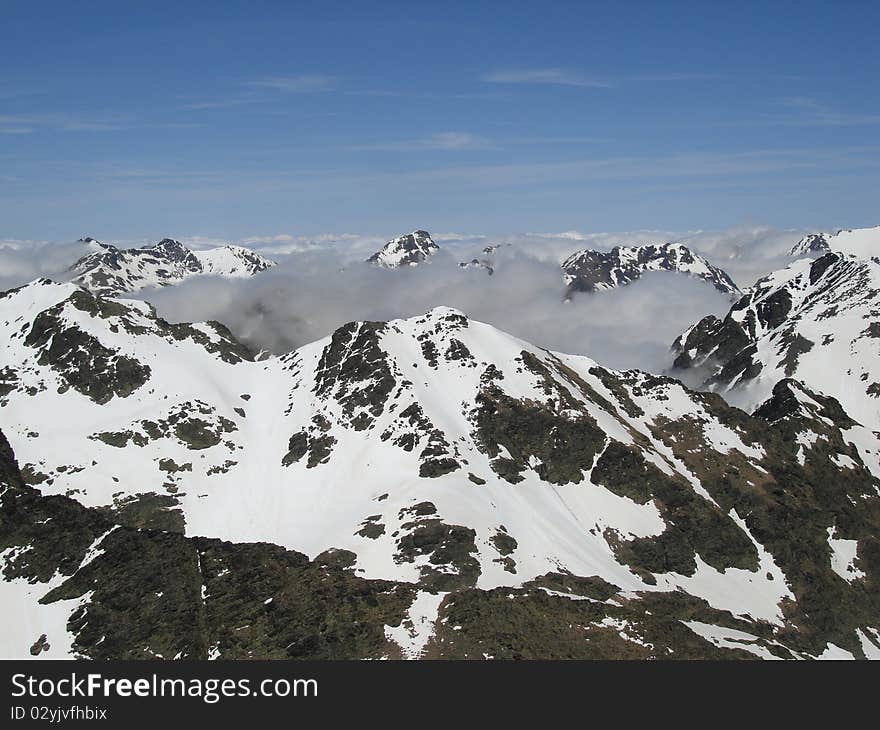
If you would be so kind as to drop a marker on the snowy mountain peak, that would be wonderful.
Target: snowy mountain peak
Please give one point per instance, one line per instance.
(590, 270)
(445, 313)
(809, 244)
(862, 242)
(408, 250)
(112, 271)
(174, 250)
(232, 261)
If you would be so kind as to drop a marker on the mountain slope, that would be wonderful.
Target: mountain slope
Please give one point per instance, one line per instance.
(408, 250)
(112, 271)
(590, 270)
(442, 454)
(76, 582)
(817, 321)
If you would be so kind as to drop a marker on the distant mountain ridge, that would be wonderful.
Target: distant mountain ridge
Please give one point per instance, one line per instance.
(586, 270)
(112, 271)
(589, 270)
(863, 242)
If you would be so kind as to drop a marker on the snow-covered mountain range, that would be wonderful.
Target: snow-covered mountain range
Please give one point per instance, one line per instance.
(585, 270)
(590, 270)
(432, 484)
(112, 271)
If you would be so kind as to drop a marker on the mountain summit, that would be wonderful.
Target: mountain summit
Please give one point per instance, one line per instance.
(408, 250)
(590, 270)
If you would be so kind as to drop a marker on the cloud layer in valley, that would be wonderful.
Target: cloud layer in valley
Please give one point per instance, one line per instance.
(322, 282)
(310, 294)
(24, 261)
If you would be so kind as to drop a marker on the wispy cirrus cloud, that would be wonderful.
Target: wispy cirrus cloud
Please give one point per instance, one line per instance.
(802, 111)
(436, 141)
(63, 121)
(452, 141)
(93, 126)
(465, 141)
(67, 123)
(744, 165)
(672, 77)
(298, 84)
(806, 111)
(543, 76)
(569, 77)
(17, 124)
(221, 103)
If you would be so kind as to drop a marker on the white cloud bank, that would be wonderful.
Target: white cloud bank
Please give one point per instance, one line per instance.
(310, 294)
(321, 282)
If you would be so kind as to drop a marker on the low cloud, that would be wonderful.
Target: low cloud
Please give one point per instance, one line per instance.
(747, 253)
(24, 261)
(310, 294)
(322, 282)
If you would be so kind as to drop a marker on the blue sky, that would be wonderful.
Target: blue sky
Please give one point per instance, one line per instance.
(127, 120)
